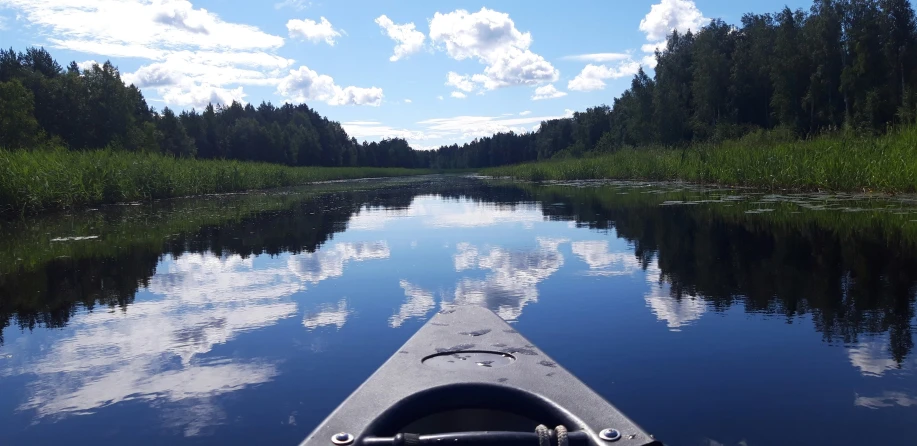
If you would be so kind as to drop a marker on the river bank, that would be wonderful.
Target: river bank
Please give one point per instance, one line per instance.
(32, 181)
(838, 162)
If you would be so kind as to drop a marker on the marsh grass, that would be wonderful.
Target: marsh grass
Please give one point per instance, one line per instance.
(33, 181)
(835, 162)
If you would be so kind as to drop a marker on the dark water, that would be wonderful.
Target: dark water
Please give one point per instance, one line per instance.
(711, 317)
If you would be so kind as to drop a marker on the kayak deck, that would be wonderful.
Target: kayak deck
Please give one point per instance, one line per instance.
(467, 377)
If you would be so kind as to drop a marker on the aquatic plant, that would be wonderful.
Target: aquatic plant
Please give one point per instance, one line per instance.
(837, 162)
(58, 179)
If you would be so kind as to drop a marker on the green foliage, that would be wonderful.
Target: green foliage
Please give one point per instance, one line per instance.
(37, 180)
(93, 109)
(770, 160)
(18, 127)
(844, 64)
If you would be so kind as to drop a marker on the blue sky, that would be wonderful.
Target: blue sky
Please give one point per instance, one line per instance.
(432, 72)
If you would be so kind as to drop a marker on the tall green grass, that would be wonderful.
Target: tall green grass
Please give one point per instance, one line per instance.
(838, 162)
(38, 180)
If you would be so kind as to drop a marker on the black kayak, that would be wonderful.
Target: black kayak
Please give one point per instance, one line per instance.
(468, 378)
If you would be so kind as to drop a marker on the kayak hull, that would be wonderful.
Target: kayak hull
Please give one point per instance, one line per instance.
(468, 371)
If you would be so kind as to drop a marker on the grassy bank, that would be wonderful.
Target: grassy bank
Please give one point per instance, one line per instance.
(833, 162)
(37, 180)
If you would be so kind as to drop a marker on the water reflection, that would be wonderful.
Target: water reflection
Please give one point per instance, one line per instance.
(419, 302)
(327, 315)
(150, 351)
(512, 276)
(602, 262)
(467, 214)
(140, 314)
(676, 311)
(886, 399)
(329, 262)
(850, 281)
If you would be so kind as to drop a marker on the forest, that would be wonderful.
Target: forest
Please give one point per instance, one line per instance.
(842, 66)
(45, 105)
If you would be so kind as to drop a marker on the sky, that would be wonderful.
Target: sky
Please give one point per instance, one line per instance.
(434, 73)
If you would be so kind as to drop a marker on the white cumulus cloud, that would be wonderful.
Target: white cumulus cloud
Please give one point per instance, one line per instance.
(87, 64)
(598, 57)
(458, 95)
(663, 18)
(593, 77)
(190, 52)
(433, 133)
(547, 92)
(198, 96)
(303, 85)
(313, 31)
(377, 130)
(668, 15)
(160, 25)
(186, 78)
(467, 127)
(409, 39)
(491, 38)
(459, 81)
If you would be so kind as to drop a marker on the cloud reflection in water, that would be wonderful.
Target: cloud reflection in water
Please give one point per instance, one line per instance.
(152, 352)
(149, 352)
(676, 312)
(435, 212)
(419, 302)
(512, 278)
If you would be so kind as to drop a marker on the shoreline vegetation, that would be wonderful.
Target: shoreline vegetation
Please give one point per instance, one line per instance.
(33, 181)
(833, 162)
(817, 99)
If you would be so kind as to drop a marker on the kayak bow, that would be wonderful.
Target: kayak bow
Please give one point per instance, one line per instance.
(466, 377)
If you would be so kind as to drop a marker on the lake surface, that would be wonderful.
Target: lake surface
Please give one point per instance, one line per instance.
(709, 316)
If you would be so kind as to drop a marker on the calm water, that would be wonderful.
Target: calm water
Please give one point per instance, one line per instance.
(711, 317)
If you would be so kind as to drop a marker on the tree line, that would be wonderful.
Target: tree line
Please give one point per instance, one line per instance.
(843, 65)
(43, 104)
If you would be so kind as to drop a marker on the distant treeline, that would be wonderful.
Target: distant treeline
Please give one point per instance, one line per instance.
(43, 104)
(844, 65)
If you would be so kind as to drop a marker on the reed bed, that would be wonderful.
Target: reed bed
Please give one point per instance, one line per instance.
(33, 181)
(838, 162)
